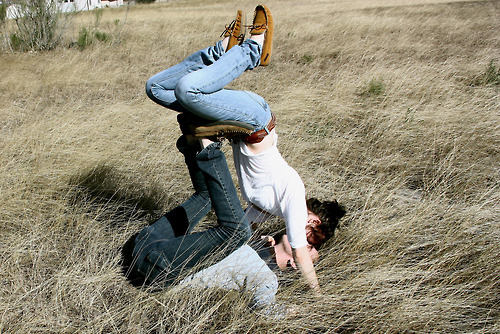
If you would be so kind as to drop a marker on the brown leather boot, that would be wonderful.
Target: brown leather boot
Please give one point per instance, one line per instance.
(235, 30)
(197, 127)
(222, 129)
(263, 24)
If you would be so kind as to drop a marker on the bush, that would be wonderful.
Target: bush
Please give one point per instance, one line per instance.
(376, 87)
(3, 27)
(101, 36)
(87, 36)
(306, 59)
(3, 13)
(84, 38)
(492, 74)
(37, 27)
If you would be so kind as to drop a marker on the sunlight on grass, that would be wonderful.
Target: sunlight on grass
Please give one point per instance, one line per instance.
(391, 107)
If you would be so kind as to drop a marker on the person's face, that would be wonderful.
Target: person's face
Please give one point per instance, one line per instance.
(314, 232)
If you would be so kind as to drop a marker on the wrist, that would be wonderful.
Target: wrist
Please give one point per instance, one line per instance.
(315, 288)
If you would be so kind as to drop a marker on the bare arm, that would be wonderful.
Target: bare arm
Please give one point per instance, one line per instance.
(304, 262)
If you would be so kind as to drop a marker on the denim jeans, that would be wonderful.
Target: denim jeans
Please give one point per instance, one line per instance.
(163, 255)
(196, 85)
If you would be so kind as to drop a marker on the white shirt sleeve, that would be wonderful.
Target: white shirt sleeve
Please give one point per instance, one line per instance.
(294, 210)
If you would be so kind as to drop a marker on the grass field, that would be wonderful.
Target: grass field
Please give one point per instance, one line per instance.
(391, 107)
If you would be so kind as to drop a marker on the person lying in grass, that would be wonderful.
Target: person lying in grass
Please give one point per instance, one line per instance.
(169, 252)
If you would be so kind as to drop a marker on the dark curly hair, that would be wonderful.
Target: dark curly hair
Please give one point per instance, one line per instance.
(329, 212)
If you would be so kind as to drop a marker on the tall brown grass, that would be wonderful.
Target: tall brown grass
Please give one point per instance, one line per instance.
(382, 105)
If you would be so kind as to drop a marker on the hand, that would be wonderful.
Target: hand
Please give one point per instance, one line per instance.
(317, 291)
(268, 240)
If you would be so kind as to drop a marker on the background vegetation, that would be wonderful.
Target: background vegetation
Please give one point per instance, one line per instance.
(391, 107)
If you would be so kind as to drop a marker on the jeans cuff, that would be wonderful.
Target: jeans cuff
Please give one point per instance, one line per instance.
(212, 151)
(253, 50)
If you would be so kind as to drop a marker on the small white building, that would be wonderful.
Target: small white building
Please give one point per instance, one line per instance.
(112, 3)
(15, 10)
(77, 5)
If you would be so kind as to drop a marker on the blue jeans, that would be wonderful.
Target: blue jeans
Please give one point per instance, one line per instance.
(196, 85)
(162, 253)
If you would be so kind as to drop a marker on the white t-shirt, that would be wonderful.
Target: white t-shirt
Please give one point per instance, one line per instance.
(268, 182)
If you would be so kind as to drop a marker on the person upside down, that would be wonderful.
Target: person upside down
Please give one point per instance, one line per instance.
(165, 250)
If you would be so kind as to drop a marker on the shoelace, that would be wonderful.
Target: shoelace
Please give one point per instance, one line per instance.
(230, 29)
(252, 26)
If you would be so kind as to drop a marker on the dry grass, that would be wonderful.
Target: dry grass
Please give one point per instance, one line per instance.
(381, 105)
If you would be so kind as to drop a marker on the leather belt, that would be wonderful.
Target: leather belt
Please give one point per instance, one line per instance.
(257, 136)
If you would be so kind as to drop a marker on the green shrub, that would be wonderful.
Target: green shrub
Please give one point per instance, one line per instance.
(492, 74)
(306, 59)
(144, 1)
(3, 13)
(84, 38)
(375, 87)
(4, 35)
(38, 27)
(15, 41)
(87, 36)
(101, 36)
